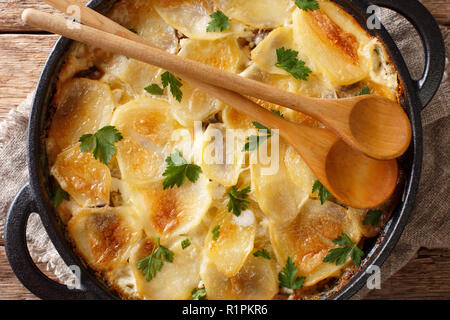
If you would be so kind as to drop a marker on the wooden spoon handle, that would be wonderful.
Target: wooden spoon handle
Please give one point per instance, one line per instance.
(163, 59)
(133, 49)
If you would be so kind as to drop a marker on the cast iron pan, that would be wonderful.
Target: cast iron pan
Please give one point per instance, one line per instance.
(34, 196)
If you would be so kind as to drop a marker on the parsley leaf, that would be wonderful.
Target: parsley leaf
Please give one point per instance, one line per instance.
(323, 193)
(237, 201)
(364, 91)
(287, 60)
(154, 262)
(263, 254)
(178, 170)
(253, 142)
(60, 194)
(215, 232)
(372, 217)
(154, 89)
(185, 243)
(101, 143)
(169, 79)
(219, 22)
(339, 255)
(288, 277)
(307, 4)
(277, 112)
(198, 294)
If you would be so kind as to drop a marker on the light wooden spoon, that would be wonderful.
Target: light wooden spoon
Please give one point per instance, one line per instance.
(372, 124)
(353, 178)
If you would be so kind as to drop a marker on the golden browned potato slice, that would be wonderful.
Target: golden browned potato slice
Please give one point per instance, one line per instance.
(176, 280)
(87, 180)
(257, 280)
(82, 106)
(147, 128)
(298, 171)
(278, 196)
(309, 236)
(234, 243)
(223, 54)
(104, 236)
(334, 51)
(191, 17)
(222, 155)
(171, 212)
(258, 13)
(141, 17)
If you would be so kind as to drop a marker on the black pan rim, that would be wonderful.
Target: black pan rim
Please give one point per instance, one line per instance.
(378, 254)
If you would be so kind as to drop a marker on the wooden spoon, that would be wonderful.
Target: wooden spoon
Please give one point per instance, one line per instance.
(372, 124)
(352, 177)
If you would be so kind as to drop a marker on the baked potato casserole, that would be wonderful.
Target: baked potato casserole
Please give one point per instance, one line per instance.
(161, 187)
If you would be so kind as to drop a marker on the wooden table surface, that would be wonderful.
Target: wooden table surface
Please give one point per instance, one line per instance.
(23, 51)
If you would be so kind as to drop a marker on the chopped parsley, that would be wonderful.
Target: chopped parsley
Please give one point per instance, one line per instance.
(178, 170)
(288, 277)
(185, 243)
(215, 233)
(101, 143)
(154, 89)
(364, 91)
(253, 142)
(133, 30)
(59, 195)
(307, 4)
(237, 201)
(322, 192)
(263, 253)
(198, 294)
(339, 255)
(287, 60)
(372, 217)
(174, 83)
(219, 22)
(154, 262)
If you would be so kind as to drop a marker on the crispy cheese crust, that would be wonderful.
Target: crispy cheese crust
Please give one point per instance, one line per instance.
(117, 211)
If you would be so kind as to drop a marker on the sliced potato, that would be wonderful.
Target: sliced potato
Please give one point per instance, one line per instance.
(257, 280)
(309, 236)
(223, 54)
(171, 212)
(278, 197)
(222, 155)
(87, 180)
(191, 17)
(175, 280)
(333, 51)
(82, 106)
(147, 131)
(265, 55)
(235, 242)
(104, 236)
(258, 13)
(298, 171)
(140, 16)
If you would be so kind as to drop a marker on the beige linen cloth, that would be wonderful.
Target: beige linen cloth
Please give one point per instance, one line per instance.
(428, 225)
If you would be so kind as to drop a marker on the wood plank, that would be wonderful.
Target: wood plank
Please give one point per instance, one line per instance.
(425, 277)
(10, 11)
(22, 58)
(11, 288)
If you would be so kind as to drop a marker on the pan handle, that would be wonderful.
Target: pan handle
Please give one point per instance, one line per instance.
(432, 40)
(19, 257)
